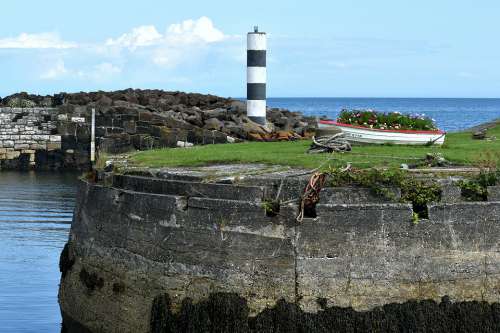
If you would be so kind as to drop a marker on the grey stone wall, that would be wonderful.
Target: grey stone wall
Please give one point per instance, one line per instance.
(43, 138)
(23, 131)
(136, 238)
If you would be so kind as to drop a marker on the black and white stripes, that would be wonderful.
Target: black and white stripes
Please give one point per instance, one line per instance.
(256, 76)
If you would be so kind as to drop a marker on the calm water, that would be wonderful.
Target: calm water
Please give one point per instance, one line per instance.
(36, 210)
(35, 217)
(451, 114)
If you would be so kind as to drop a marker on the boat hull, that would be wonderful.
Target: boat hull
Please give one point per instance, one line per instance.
(367, 135)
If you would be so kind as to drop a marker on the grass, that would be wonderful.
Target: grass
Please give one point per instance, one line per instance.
(459, 148)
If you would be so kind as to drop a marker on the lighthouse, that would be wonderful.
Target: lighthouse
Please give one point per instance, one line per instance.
(256, 76)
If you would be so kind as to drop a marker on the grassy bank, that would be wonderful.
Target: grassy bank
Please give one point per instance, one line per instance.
(459, 148)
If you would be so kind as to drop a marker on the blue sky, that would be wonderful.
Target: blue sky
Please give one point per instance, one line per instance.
(316, 48)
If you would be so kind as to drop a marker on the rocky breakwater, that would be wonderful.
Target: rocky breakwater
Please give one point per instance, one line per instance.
(204, 250)
(145, 119)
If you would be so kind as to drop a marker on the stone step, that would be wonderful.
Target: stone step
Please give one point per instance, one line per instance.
(357, 195)
(190, 189)
(464, 211)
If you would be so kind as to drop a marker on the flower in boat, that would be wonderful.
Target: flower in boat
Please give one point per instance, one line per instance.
(391, 120)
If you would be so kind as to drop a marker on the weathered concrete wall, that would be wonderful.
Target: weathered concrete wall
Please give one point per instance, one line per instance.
(139, 238)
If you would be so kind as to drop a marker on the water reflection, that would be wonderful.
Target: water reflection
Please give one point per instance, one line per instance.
(35, 215)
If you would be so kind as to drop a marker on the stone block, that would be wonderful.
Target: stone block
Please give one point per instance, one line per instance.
(62, 117)
(21, 146)
(118, 143)
(338, 225)
(450, 193)
(494, 193)
(357, 195)
(55, 138)
(40, 137)
(130, 127)
(38, 146)
(464, 211)
(190, 189)
(77, 120)
(13, 154)
(27, 151)
(145, 116)
(53, 146)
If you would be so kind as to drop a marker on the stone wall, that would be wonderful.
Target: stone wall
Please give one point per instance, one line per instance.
(24, 131)
(136, 238)
(43, 139)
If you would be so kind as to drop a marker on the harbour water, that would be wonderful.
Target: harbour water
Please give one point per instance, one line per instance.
(35, 216)
(36, 209)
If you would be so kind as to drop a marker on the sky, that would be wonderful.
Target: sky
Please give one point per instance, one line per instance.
(358, 48)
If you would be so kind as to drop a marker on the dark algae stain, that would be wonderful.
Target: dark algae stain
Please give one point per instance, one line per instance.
(118, 287)
(91, 280)
(227, 312)
(66, 261)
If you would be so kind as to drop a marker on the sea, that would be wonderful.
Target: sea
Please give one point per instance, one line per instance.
(36, 208)
(450, 114)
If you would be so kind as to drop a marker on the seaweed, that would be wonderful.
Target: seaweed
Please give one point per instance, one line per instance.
(66, 261)
(228, 312)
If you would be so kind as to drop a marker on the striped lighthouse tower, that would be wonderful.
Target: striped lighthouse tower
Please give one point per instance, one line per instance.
(256, 76)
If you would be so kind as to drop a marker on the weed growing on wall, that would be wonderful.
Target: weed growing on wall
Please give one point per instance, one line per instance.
(476, 189)
(417, 192)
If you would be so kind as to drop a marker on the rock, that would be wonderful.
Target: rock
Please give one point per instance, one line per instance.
(195, 119)
(46, 102)
(109, 166)
(17, 102)
(238, 106)
(220, 114)
(213, 124)
(254, 137)
(436, 160)
(105, 101)
(252, 127)
(184, 144)
(479, 135)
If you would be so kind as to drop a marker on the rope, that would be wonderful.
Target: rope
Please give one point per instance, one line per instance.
(311, 193)
(329, 144)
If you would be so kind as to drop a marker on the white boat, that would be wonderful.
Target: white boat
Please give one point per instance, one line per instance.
(361, 134)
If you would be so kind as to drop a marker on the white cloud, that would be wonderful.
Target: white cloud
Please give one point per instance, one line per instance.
(105, 70)
(144, 48)
(191, 31)
(46, 40)
(99, 72)
(181, 41)
(145, 35)
(59, 70)
(201, 30)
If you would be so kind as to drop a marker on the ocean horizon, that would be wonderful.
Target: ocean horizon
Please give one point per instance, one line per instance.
(450, 114)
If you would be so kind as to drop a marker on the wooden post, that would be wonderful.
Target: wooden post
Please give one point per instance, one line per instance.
(92, 139)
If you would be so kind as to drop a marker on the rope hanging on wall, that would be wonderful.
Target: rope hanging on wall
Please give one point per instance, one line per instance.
(310, 197)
